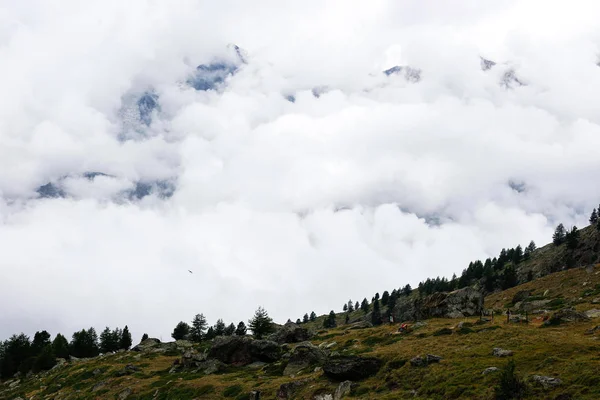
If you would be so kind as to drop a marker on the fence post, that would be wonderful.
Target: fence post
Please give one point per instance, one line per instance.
(508, 316)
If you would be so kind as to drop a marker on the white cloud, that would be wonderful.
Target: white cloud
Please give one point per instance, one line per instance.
(295, 206)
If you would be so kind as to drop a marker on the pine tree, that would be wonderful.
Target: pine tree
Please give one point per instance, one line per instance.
(517, 255)
(406, 290)
(298, 322)
(60, 346)
(241, 329)
(261, 324)
(350, 306)
(84, 344)
(125, 342)
(181, 331)
(376, 314)
(559, 235)
(509, 278)
(594, 217)
(392, 300)
(345, 308)
(572, 238)
(330, 321)
(144, 337)
(210, 333)
(198, 328)
(313, 316)
(529, 249)
(230, 330)
(40, 341)
(45, 360)
(16, 351)
(305, 319)
(109, 341)
(219, 327)
(377, 296)
(356, 306)
(385, 297)
(364, 306)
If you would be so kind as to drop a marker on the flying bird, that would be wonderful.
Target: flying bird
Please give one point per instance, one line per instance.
(190, 271)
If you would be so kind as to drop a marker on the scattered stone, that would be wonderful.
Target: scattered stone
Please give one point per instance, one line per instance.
(254, 395)
(287, 390)
(14, 384)
(318, 369)
(498, 352)
(211, 366)
(352, 368)
(96, 372)
(594, 313)
(431, 358)
(418, 361)
(342, 390)
(99, 386)
(291, 333)
(547, 382)
(325, 396)
(125, 394)
(128, 370)
(361, 325)
(490, 370)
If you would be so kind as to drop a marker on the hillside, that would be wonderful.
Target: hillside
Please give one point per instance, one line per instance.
(566, 351)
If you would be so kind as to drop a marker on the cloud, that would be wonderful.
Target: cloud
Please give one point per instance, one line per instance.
(379, 181)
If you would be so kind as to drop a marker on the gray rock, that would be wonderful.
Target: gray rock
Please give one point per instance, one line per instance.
(352, 368)
(342, 390)
(211, 366)
(596, 300)
(594, 313)
(490, 370)
(254, 395)
(304, 355)
(99, 386)
(287, 390)
(360, 325)
(431, 358)
(418, 361)
(147, 345)
(125, 394)
(521, 295)
(566, 315)
(256, 365)
(457, 304)
(291, 333)
(239, 350)
(14, 384)
(498, 352)
(128, 370)
(547, 382)
(325, 396)
(593, 330)
(96, 372)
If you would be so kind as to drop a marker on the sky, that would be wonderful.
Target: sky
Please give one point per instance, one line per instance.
(304, 176)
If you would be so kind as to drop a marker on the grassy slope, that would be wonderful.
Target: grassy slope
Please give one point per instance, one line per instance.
(563, 351)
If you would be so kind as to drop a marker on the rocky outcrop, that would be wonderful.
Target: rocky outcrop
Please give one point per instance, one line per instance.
(457, 304)
(490, 370)
(498, 352)
(352, 368)
(287, 390)
(566, 315)
(342, 390)
(238, 350)
(419, 361)
(291, 333)
(304, 355)
(547, 382)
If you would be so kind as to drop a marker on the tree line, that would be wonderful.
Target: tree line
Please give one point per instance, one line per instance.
(21, 354)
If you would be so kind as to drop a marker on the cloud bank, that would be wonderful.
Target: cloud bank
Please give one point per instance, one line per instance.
(265, 149)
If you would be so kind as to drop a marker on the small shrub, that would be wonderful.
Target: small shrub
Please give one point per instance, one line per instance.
(510, 385)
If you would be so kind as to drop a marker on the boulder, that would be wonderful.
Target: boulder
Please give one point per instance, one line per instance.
(594, 313)
(566, 315)
(342, 390)
(125, 394)
(128, 370)
(287, 390)
(419, 361)
(239, 350)
(191, 358)
(302, 356)
(547, 382)
(457, 304)
(147, 345)
(99, 386)
(490, 370)
(290, 333)
(498, 352)
(360, 325)
(432, 358)
(254, 395)
(352, 368)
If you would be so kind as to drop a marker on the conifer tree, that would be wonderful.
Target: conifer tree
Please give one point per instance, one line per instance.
(350, 306)
(376, 314)
(84, 344)
(330, 321)
(385, 298)
(219, 327)
(313, 316)
(594, 217)
(529, 249)
(559, 235)
(198, 328)
(45, 360)
(356, 306)
(60, 346)
(517, 255)
(572, 238)
(144, 337)
(108, 341)
(210, 333)
(377, 296)
(230, 330)
(407, 290)
(364, 306)
(261, 324)
(298, 322)
(125, 342)
(345, 307)
(181, 331)
(241, 329)
(305, 318)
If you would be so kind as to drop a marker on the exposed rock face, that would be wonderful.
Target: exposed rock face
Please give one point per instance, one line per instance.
(594, 313)
(287, 390)
(566, 315)
(240, 350)
(342, 390)
(291, 333)
(547, 382)
(147, 345)
(457, 304)
(352, 368)
(498, 352)
(304, 355)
